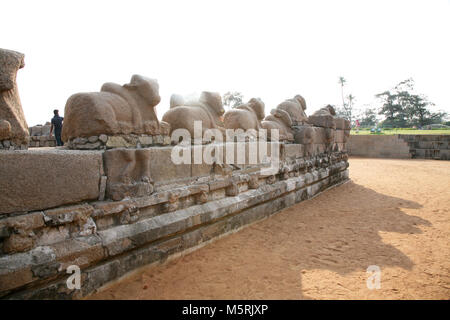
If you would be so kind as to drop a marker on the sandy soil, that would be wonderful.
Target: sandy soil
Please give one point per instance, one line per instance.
(394, 214)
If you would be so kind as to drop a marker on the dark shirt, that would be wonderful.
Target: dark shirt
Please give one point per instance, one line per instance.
(57, 122)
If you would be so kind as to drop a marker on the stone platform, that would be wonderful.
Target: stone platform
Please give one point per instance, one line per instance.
(112, 211)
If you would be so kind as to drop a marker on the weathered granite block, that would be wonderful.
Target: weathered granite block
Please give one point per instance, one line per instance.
(292, 151)
(342, 124)
(340, 136)
(163, 169)
(41, 179)
(230, 156)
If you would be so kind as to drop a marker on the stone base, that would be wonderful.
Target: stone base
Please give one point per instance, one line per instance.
(116, 251)
(10, 145)
(119, 141)
(42, 141)
(111, 211)
(119, 191)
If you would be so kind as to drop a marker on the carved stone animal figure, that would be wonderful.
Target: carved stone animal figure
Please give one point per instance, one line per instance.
(116, 109)
(304, 134)
(246, 116)
(330, 134)
(176, 100)
(208, 109)
(5, 129)
(128, 172)
(296, 108)
(279, 120)
(13, 126)
(323, 117)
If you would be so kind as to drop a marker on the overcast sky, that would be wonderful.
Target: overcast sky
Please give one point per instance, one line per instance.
(267, 49)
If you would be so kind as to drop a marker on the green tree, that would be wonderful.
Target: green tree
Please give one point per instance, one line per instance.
(368, 117)
(347, 103)
(404, 108)
(232, 99)
(347, 111)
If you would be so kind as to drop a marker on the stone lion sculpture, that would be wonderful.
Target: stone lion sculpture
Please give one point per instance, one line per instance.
(279, 120)
(116, 109)
(246, 116)
(296, 108)
(208, 109)
(13, 126)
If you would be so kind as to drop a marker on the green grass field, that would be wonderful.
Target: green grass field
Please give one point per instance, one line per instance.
(402, 131)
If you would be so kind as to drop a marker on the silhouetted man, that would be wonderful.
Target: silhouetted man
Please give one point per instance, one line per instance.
(57, 123)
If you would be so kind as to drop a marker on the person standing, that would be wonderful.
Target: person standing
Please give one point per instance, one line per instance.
(57, 123)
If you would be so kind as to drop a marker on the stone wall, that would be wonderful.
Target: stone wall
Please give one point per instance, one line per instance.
(402, 146)
(428, 146)
(42, 141)
(40, 136)
(111, 211)
(378, 146)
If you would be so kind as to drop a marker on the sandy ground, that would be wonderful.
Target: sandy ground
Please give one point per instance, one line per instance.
(394, 214)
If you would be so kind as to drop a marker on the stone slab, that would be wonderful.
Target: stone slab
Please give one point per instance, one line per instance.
(44, 178)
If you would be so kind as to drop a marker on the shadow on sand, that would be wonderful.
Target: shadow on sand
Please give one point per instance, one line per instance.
(339, 231)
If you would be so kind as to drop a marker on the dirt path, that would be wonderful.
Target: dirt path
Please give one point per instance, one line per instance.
(394, 214)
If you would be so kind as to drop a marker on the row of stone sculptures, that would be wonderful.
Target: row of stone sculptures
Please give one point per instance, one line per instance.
(129, 109)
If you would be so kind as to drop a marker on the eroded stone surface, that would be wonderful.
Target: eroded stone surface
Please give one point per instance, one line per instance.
(127, 109)
(246, 116)
(295, 107)
(323, 117)
(280, 121)
(208, 109)
(40, 179)
(13, 126)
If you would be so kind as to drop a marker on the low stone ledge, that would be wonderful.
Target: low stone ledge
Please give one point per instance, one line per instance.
(173, 199)
(46, 262)
(42, 141)
(104, 141)
(126, 237)
(16, 269)
(26, 222)
(64, 215)
(11, 145)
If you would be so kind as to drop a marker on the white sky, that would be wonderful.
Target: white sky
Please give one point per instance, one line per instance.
(268, 49)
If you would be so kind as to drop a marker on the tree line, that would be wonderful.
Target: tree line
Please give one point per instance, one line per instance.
(399, 107)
